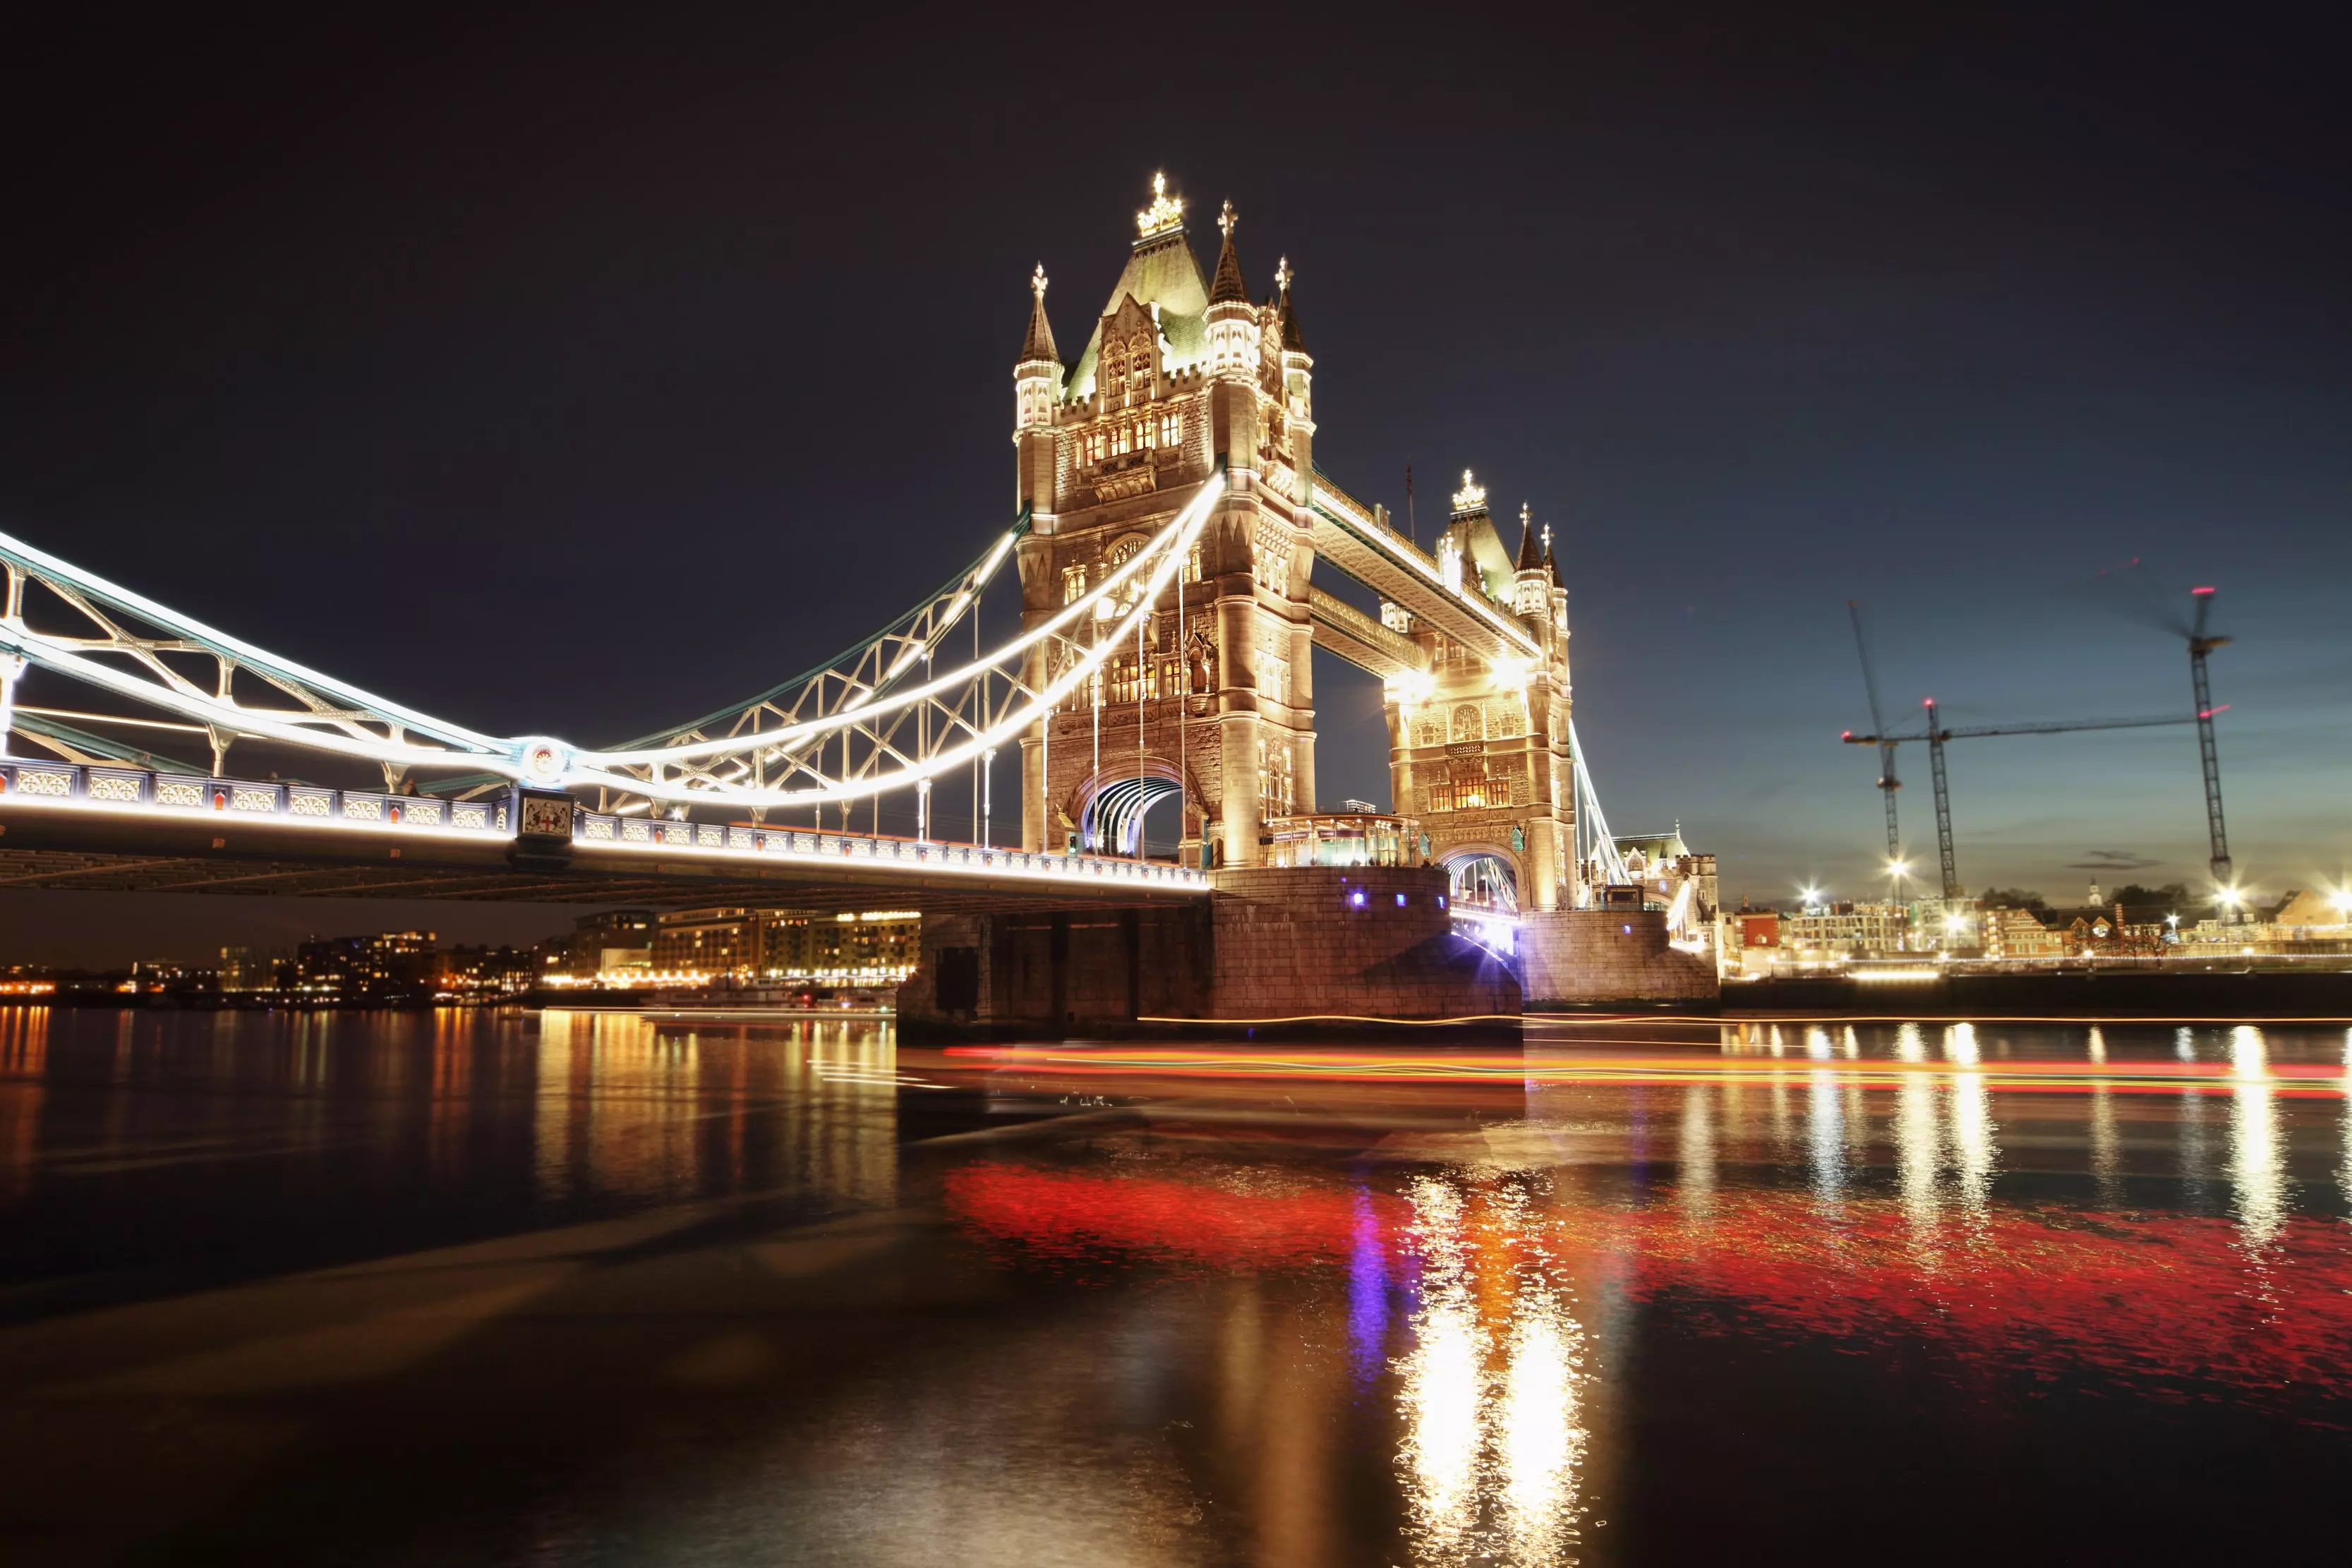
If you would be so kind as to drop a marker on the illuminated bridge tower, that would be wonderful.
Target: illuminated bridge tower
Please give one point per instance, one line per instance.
(1181, 375)
(1479, 743)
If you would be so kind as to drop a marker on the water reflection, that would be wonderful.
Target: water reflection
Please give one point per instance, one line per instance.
(1489, 1389)
(2256, 1171)
(1247, 1304)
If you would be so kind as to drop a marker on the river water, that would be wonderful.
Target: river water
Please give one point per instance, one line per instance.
(582, 1288)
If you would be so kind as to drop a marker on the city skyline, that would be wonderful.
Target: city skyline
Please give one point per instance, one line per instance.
(2051, 315)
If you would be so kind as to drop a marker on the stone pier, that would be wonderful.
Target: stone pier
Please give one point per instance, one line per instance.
(1270, 944)
(1609, 958)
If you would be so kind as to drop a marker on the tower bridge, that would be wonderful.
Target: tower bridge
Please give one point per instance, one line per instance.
(1168, 517)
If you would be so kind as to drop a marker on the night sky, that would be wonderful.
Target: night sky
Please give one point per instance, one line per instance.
(575, 375)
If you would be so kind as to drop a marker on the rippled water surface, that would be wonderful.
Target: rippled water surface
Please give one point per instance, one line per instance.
(604, 1289)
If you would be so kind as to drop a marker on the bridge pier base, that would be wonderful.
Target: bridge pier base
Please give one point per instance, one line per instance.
(1291, 948)
(1609, 958)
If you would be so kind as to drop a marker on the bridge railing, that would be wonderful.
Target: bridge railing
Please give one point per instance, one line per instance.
(169, 796)
(600, 830)
(166, 795)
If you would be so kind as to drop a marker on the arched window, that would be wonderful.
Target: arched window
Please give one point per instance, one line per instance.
(1465, 722)
(1138, 370)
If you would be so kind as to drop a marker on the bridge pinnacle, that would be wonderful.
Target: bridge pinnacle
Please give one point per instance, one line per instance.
(1165, 214)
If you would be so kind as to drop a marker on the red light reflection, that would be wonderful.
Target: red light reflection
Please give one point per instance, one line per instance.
(2170, 1306)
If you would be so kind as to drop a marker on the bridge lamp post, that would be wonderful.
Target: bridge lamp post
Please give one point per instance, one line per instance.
(987, 797)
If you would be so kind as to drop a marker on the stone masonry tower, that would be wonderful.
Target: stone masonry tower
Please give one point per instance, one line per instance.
(1181, 375)
(1478, 745)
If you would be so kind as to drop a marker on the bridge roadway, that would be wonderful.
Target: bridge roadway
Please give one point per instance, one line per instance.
(129, 829)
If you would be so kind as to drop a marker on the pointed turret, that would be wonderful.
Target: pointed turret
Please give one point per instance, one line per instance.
(1293, 337)
(1227, 286)
(1039, 343)
(1551, 562)
(1037, 378)
(1530, 593)
(1234, 326)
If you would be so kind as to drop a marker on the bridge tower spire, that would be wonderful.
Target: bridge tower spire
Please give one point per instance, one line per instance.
(1036, 394)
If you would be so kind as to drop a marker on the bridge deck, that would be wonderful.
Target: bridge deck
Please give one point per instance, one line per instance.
(118, 829)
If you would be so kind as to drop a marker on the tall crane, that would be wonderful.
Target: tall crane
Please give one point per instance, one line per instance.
(1936, 733)
(1887, 782)
(2200, 644)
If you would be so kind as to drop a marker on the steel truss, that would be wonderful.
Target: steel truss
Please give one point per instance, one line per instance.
(875, 719)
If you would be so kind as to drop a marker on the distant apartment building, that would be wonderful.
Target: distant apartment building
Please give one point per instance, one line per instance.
(872, 946)
(488, 971)
(1846, 930)
(390, 964)
(2020, 934)
(613, 946)
(711, 942)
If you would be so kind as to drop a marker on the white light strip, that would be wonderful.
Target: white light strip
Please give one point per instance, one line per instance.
(197, 816)
(40, 562)
(51, 653)
(1180, 534)
(1612, 865)
(1166, 546)
(1115, 873)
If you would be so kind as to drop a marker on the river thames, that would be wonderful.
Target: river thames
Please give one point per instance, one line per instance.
(600, 1287)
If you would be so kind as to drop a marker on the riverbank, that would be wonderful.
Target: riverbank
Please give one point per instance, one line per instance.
(2202, 993)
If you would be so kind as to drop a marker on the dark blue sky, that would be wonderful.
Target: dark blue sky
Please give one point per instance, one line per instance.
(578, 374)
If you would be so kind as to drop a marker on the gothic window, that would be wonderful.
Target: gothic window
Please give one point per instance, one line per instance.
(1272, 675)
(1073, 583)
(1271, 561)
(1138, 370)
(1172, 429)
(1465, 722)
(1123, 692)
(1274, 782)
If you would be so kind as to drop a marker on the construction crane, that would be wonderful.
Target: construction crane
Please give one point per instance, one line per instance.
(1936, 733)
(1887, 782)
(2127, 590)
(2200, 644)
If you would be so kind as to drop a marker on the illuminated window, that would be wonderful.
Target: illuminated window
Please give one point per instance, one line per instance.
(1274, 783)
(1138, 370)
(1172, 429)
(1270, 562)
(1073, 583)
(1122, 682)
(1273, 673)
(1466, 722)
